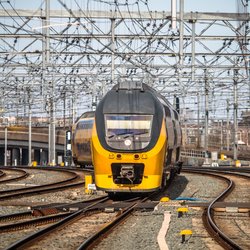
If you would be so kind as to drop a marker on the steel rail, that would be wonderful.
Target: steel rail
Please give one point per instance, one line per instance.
(2, 174)
(39, 190)
(43, 215)
(8, 217)
(28, 240)
(23, 175)
(226, 240)
(6, 194)
(74, 176)
(33, 222)
(94, 239)
(214, 230)
(91, 241)
(224, 170)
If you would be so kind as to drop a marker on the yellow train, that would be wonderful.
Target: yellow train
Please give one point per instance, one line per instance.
(81, 139)
(136, 140)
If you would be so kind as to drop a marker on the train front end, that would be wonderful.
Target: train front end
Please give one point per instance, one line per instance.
(129, 141)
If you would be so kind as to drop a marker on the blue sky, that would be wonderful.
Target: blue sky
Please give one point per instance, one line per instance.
(159, 5)
(198, 5)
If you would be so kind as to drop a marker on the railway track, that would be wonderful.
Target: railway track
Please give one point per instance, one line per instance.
(85, 230)
(71, 182)
(103, 232)
(84, 211)
(73, 217)
(102, 213)
(224, 235)
(4, 176)
(40, 215)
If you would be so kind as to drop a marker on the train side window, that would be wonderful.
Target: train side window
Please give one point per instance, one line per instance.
(174, 126)
(175, 132)
(169, 127)
(178, 129)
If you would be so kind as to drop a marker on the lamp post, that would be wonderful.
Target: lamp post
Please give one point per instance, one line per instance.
(235, 82)
(30, 128)
(228, 129)
(206, 117)
(198, 121)
(5, 144)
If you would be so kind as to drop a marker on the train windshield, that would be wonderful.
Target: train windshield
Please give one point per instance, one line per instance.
(85, 123)
(128, 132)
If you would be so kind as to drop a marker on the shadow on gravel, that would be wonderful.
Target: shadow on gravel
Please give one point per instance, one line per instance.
(176, 187)
(173, 190)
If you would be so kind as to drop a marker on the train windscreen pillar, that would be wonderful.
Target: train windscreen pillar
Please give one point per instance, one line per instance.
(177, 104)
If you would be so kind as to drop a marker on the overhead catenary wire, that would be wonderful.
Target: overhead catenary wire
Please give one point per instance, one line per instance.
(142, 65)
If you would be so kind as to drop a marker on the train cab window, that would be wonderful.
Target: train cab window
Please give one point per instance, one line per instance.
(178, 129)
(167, 111)
(85, 124)
(176, 115)
(170, 127)
(128, 132)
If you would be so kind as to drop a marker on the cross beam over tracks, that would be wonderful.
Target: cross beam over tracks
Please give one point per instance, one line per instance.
(219, 16)
(57, 54)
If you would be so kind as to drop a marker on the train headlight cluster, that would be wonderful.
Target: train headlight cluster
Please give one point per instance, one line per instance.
(111, 156)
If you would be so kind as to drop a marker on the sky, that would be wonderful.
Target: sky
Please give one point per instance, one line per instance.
(198, 5)
(159, 5)
(153, 5)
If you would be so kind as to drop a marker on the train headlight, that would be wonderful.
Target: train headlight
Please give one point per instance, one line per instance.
(127, 142)
(111, 156)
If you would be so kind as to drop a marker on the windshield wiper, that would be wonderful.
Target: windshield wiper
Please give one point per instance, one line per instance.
(123, 133)
(139, 133)
(127, 134)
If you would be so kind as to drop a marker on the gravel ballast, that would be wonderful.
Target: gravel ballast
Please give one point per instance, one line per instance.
(140, 231)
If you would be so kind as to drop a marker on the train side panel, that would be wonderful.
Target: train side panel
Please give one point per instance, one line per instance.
(81, 141)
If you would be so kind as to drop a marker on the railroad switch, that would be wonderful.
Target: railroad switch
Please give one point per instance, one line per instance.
(45, 211)
(183, 234)
(181, 211)
(109, 210)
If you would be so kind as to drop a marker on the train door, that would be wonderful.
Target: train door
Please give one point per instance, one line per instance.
(178, 135)
(170, 134)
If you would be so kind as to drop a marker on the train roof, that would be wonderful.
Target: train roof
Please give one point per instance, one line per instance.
(88, 114)
(135, 85)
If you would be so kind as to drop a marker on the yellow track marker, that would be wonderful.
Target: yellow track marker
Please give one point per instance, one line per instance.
(183, 234)
(164, 199)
